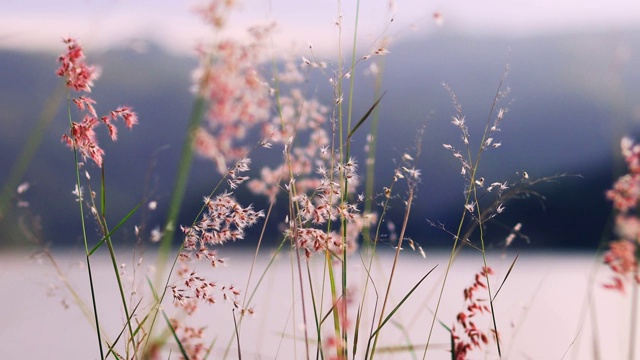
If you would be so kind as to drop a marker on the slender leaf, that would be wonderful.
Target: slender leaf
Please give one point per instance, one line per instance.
(114, 229)
(235, 327)
(166, 318)
(366, 115)
(124, 328)
(395, 309)
(357, 330)
(505, 277)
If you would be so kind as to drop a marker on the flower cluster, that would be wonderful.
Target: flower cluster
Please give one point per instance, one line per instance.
(469, 164)
(622, 257)
(79, 76)
(311, 212)
(471, 337)
(222, 220)
(191, 339)
(228, 78)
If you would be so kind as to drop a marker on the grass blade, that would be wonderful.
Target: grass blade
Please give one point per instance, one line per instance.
(114, 229)
(166, 318)
(124, 328)
(235, 327)
(505, 277)
(180, 186)
(365, 116)
(395, 309)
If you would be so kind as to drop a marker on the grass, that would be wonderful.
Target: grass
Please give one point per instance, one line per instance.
(343, 302)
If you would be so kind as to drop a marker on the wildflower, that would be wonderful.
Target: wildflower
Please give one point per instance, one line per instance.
(78, 75)
(465, 333)
(622, 255)
(622, 261)
(85, 103)
(625, 192)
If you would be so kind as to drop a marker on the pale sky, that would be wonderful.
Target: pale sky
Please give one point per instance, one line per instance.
(40, 24)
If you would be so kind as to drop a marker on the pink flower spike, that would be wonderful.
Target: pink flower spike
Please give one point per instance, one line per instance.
(85, 102)
(128, 115)
(79, 76)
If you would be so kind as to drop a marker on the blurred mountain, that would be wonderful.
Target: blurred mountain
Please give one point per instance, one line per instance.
(571, 98)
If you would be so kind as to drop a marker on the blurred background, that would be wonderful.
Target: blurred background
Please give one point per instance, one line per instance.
(574, 80)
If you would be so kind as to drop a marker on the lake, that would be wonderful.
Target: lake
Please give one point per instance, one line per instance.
(541, 310)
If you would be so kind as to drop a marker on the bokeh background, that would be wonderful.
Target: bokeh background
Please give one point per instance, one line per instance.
(574, 71)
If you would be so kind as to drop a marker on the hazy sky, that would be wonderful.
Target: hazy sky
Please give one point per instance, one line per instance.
(40, 24)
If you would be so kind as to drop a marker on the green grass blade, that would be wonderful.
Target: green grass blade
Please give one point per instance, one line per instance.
(505, 277)
(365, 116)
(356, 331)
(95, 306)
(180, 186)
(397, 307)
(114, 229)
(166, 318)
(124, 328)
(235, 327)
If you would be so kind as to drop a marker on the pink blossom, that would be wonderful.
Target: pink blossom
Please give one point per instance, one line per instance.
(79, 77)
(622, 257)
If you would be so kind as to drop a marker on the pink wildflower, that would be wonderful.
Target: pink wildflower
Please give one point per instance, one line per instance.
(465, 333)
(625, 192)
(622, 257)
(79, 76)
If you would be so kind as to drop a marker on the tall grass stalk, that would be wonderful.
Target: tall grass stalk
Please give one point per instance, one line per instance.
(393, 269)
(84, 232)
(180, 186)
(470, 194)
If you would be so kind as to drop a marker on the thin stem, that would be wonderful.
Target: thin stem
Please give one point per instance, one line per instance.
(105, 229)
(634, 311)
(393, 268)
(84, 229)
(180, 186)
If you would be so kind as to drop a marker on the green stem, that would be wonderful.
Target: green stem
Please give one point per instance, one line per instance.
(180, 186)
(114, 262)
(84, 230)
(393, 270)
